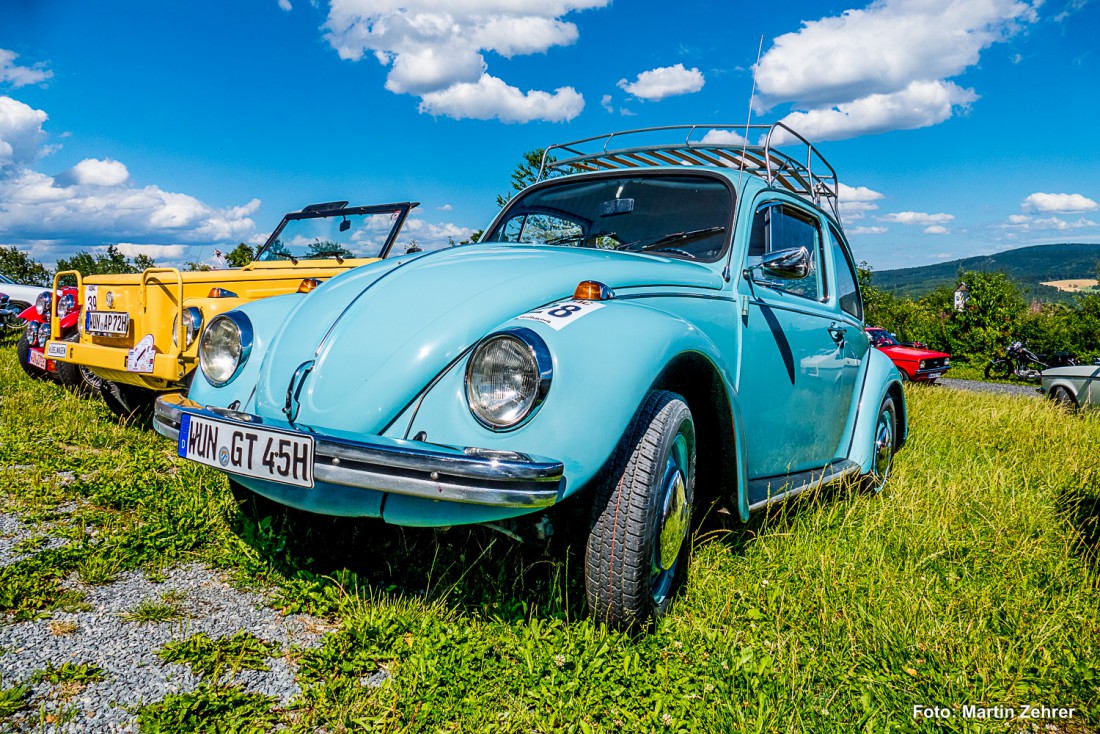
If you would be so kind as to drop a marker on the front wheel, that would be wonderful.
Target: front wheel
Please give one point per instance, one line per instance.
(999, 369)
(1061, 396)
(128, 402)
(76, 376)
(638, 546)
(23, 352)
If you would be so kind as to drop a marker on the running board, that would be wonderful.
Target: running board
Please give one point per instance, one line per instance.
(789, 485)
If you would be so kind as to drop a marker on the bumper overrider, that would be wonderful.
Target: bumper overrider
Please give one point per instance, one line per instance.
(430, 471)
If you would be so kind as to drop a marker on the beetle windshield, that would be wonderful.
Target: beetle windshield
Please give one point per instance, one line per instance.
(331, 235)
(672, 215)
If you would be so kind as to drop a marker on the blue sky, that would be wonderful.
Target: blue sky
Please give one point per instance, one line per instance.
(958, 127)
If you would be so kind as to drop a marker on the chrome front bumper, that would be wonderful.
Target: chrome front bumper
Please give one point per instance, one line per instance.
(430, 471)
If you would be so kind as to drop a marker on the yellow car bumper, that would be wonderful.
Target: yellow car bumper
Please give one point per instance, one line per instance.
(110, 364)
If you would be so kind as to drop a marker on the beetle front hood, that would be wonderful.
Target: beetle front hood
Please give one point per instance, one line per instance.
(379, 334)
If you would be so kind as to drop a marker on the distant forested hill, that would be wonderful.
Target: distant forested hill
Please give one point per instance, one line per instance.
(1028, 266)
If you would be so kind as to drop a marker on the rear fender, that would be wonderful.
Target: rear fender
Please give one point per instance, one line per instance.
(604, 364)
(882, 379)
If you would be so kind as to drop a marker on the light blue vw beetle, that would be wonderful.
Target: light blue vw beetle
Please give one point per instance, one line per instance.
(644, 324)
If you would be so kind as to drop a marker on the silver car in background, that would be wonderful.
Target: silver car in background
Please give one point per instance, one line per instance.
(1077, 386)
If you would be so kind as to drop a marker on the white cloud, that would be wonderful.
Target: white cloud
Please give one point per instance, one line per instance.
(1040, 202)
(919, 218)
(605, 102)
(1025, 223)
(936, 229)
(160, 253)
(890, 60)
(94, 172)
(491, 98)
(921, 104)
(665, 81)
(445, 208)
(434, 49)
(21, 133)
(866, 230)
(285, 5)
(20, 76)
(94, 201)
(724, 137)
(856, 201)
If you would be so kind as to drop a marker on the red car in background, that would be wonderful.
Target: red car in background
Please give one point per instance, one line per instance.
(31, 347)
(913, 361)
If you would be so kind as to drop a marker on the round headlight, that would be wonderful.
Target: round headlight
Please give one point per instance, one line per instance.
(224, 347)
(65, 305)
(192, 322)
(507, 377)
(32, 332)
(42, 303)
(43, 334)
(921, 364)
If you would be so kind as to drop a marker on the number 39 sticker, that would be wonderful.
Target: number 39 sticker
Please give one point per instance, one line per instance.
(560, 315)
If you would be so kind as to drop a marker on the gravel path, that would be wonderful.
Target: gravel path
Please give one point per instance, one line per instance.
(132, 674)
(1022, 389)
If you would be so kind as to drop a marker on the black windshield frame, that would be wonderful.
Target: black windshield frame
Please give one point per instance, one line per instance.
(517, 202)
(402, 210)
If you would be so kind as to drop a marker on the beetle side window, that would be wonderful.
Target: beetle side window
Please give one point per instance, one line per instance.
(777, 227)
(847, 288)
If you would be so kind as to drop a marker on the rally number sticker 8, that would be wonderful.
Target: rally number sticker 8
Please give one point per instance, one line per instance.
(560, 315)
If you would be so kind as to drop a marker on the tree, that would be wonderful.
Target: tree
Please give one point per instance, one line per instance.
(113, 261)
(526, 173)
(240, 255)
(21, 268)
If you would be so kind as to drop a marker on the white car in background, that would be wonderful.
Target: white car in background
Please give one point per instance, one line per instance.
(19, 298)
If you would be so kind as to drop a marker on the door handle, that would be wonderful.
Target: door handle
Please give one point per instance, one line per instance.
(837, 332)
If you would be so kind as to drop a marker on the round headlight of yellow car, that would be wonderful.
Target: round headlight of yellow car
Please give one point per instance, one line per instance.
(507, 378)
(192, 322)
(224, 347)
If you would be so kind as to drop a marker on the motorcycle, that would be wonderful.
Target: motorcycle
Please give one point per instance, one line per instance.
(1024, 364)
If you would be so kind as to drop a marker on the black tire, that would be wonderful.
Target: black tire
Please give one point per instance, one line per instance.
(999, 369)
(644, 495)
(1061, 396)
(904, 377)
(884, 444)
(129, 402)
(78, 377)
(23, 351)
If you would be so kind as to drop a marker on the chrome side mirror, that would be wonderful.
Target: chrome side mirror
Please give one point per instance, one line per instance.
(789, 264)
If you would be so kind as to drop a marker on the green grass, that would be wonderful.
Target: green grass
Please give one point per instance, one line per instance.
(149, 611)
(12, 700)
(971, 579)
(67, 673)
(210, 658)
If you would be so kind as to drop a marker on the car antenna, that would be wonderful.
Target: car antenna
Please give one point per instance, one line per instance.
(745, 141)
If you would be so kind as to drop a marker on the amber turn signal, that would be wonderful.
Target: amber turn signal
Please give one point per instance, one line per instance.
(308, 284)
(592, 290)
(220, 293)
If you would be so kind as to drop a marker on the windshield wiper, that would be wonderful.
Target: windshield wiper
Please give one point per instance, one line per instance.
(670, 238)
(288, 256)
(338, 254)
(578, 237)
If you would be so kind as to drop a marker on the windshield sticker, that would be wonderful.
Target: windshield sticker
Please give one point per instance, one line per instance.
(560, 315)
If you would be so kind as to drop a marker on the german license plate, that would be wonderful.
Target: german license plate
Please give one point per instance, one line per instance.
(37, 359)
(113, 323)
(57, 350)
(277, 456)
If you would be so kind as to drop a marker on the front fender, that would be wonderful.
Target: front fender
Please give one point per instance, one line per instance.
(881, 378)
(267, 316)
(603, 365)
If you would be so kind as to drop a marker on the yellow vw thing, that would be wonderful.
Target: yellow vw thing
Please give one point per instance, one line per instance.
(140, 332)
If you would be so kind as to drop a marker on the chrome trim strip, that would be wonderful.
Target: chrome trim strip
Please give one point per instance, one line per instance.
(801, 481)
(388, 465)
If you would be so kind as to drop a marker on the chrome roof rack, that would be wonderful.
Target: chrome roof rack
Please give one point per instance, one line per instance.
(778, 168)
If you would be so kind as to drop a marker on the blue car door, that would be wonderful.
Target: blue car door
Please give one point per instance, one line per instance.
(798, 364)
